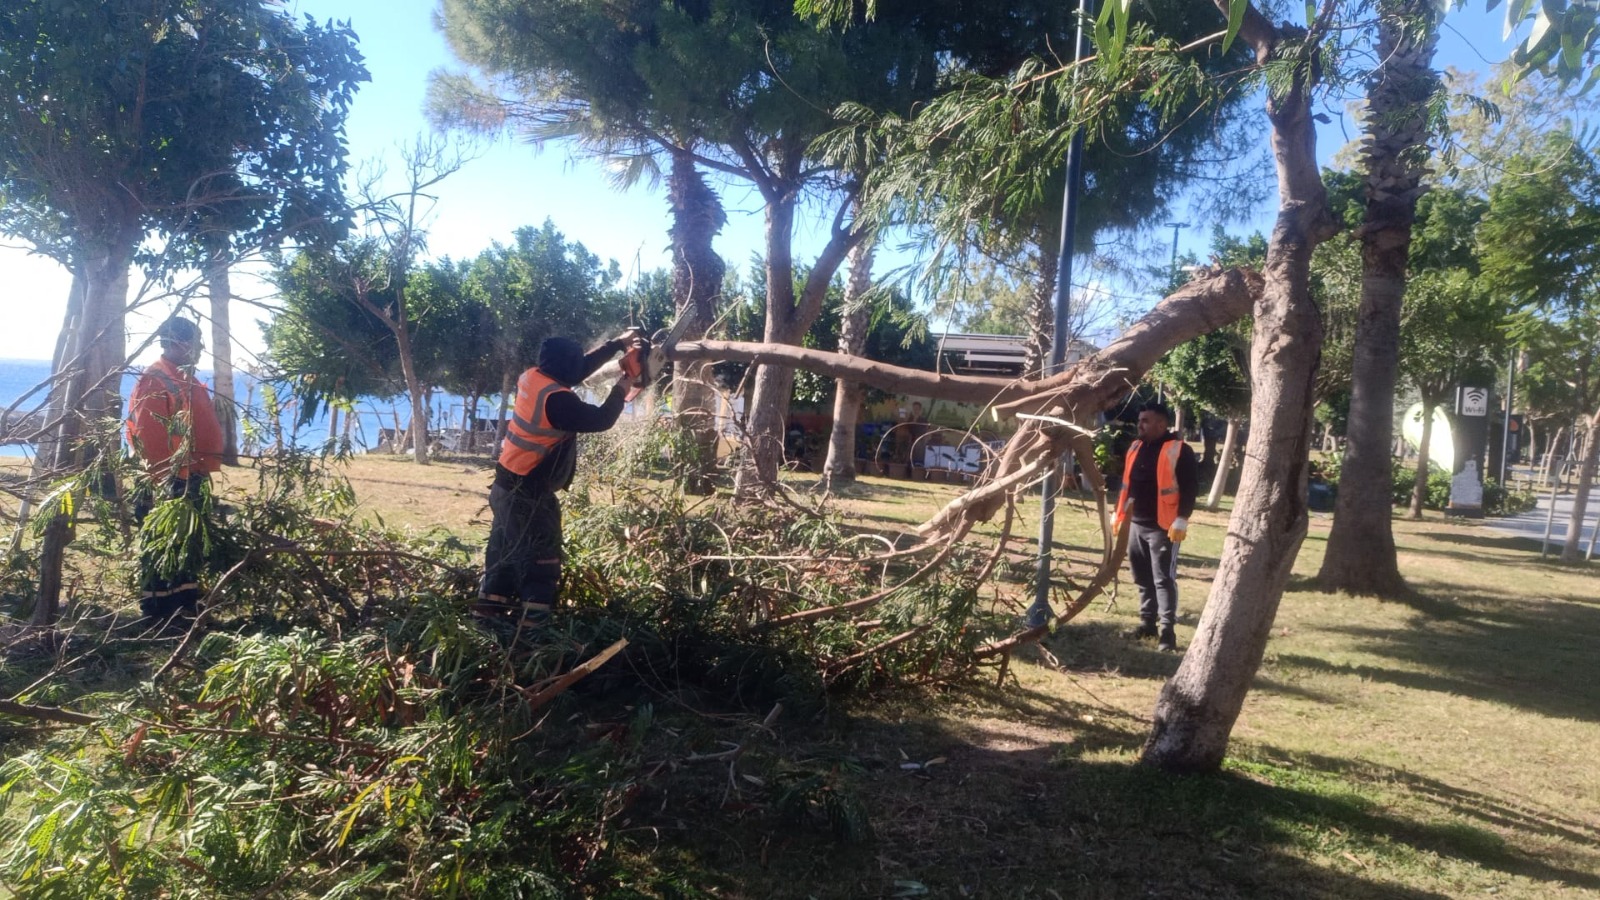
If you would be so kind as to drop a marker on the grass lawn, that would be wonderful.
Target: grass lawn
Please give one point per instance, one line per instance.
(1444, 745)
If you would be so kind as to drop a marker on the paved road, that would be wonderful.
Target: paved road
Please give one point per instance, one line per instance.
(1531, 524)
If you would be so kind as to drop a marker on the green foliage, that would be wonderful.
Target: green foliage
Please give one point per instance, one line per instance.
(177, 117)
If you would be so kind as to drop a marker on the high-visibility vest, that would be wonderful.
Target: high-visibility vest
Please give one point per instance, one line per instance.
(172, 424)
(530, 437)
(1166, 484)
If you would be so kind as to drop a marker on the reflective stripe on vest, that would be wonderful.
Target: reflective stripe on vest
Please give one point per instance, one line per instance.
(1167, 499)
(529, 435)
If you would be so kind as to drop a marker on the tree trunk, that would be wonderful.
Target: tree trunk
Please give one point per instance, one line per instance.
(222, 394)
(1419, 487)
(840, 468)
(1219, 482)
(1200, 703)
(96, 356)
(419, 403)
(1580, 498)
(697, 271)
(1041, 316)
(768, 406)
(1360, 557)
(508, 389)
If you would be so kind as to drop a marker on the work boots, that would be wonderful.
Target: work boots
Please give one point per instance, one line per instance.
(1169, 640)
(1146, 629)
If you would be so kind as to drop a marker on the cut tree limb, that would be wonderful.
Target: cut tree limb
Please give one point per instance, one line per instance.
(1213, 299)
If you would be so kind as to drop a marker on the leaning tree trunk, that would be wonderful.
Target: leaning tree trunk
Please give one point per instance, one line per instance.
(1580, 498)
(1361, 556)
(1219, 482)
(1041, 316)
(96, 357)
(1200, 703)
(840, 468)
(697, 271)
(222, 396)
(1419, 485)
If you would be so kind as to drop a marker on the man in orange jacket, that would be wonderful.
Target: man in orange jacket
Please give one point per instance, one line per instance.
(173, 428)
(522, 563)
(1159, 484)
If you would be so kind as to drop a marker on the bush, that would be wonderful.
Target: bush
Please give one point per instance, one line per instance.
(345, 731)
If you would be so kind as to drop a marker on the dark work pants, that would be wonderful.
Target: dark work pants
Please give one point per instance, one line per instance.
(522, 564)
(1151, 556)
(161, 597)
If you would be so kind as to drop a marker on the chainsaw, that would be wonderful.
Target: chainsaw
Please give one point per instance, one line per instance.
(646, 357)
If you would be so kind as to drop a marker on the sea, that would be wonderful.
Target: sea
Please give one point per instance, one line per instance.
(19, 376)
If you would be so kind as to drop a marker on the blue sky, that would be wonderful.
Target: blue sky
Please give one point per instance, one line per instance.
(511, 184)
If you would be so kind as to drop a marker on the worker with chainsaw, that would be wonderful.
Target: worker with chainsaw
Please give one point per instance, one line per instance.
(1159, 484)
(522, 566)
(173, 428)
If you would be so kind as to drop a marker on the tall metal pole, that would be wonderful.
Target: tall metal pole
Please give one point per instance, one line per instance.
(1172, 271)
(1505, 431)
(1039, 612)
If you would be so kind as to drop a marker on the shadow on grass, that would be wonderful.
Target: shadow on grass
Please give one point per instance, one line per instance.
(1535, 655)
(1492, 811)
(1043, 796)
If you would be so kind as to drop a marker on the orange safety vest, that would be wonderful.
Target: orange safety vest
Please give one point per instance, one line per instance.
(172, 424)
(1166, 484)
(530, 437)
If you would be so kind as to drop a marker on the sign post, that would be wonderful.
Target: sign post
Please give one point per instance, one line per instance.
(1466, 483)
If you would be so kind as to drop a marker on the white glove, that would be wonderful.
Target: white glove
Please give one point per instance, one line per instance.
(1179, 530)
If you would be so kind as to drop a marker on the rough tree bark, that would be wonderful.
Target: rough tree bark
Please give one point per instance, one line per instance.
(790, 314)
(697, 270)
(1571, 551)
(1200, 703)
(840, 468)
(96, 355)
(222, 396)
(1219, 482)
(1361, 555)
(1041, 316)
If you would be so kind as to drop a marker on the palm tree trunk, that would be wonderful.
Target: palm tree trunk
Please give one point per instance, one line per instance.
(1361, 554)
(1041, 316)
(222, 395)
(1219, 482)
(1198, 706)
(840, 468)
(697, 271)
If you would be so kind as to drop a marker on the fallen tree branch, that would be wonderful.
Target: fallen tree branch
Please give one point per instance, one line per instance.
(541, 694)
(45, 713)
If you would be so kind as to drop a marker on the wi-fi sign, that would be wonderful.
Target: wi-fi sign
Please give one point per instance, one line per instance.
(1474, 401)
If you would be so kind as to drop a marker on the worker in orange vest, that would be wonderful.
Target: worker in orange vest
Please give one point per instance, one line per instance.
(522, 564)
(1159, 484)
(173, 428)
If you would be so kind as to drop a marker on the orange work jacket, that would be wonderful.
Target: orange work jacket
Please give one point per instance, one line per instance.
(530, 437)
(1166, 484)
(172, 424)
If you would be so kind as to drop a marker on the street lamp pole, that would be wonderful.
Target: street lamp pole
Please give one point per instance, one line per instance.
(1039, 613)
(1175, 226)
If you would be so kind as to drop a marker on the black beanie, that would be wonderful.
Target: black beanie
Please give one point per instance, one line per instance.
(178, 328)
(562, 359)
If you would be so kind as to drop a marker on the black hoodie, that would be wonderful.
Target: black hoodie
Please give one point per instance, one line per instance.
(564, 360)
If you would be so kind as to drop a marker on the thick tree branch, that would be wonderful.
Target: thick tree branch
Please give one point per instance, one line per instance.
(1212, 300)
